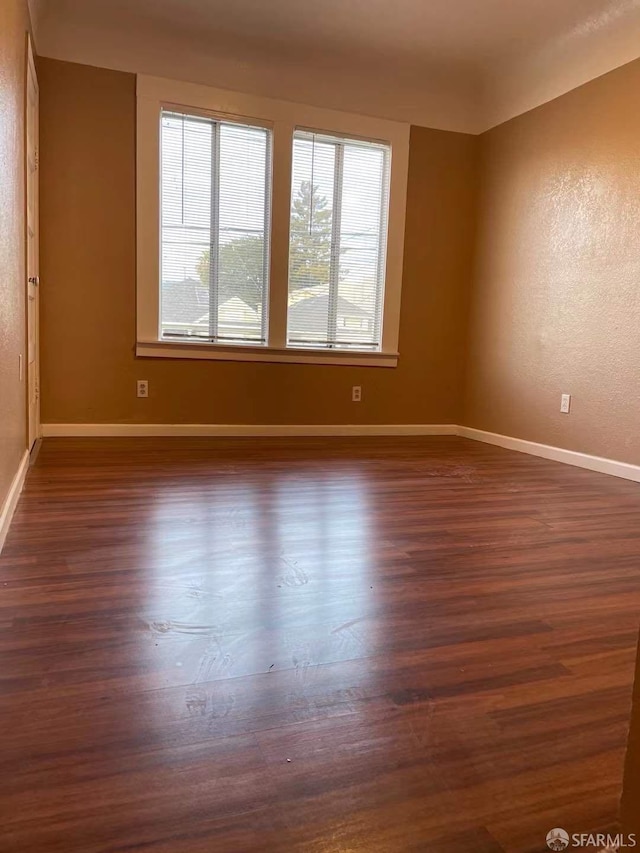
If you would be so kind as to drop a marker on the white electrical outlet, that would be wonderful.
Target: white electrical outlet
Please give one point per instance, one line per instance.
(143, 387)
(565, 404)
(356, 394)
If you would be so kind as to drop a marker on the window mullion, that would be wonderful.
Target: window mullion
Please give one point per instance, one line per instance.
(382, 248)
(266, 252)
(214, 232)
(182, 167)
(278, 295)
(334, 265)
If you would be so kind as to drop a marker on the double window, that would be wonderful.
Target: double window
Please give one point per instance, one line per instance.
(243, 270)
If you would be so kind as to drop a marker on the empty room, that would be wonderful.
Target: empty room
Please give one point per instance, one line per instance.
(319, 426)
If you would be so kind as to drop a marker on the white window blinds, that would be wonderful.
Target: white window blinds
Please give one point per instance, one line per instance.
(338, 233)
(215, 210)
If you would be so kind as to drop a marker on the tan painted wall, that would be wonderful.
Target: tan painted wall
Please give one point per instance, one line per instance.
(554, 309)
(556, 295)
(13, 28)
(88, 292)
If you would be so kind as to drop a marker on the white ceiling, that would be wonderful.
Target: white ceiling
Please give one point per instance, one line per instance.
(454, 64)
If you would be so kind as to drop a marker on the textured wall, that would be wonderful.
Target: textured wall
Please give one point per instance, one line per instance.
(13, 28)
(555, 306)
(556, 295)
(88, 295)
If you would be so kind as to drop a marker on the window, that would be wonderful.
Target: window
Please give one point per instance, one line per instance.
(215, 201)
(338, 232)
(266, 230)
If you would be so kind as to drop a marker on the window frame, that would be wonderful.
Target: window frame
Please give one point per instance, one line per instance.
(282, 118)
(217, 121)
(340, 141)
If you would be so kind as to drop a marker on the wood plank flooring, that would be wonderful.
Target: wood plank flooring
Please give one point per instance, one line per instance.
(373, 644)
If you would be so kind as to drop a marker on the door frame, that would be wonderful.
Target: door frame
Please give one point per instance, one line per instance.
(33, 424)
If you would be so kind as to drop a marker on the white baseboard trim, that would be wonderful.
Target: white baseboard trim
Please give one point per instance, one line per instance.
(11, 500)
(256, 430)
(557, 454)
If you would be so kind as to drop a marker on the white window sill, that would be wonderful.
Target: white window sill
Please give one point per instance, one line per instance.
(218, 352)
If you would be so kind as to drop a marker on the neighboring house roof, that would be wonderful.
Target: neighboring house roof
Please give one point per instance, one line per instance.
(234, 310)
(187, 302)
(184, 301)
(308, 309)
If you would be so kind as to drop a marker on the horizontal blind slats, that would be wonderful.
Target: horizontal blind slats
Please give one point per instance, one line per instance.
(339, 208)
(215, 198)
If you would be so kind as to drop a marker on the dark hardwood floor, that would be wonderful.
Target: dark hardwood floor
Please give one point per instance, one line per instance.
(381, 644)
